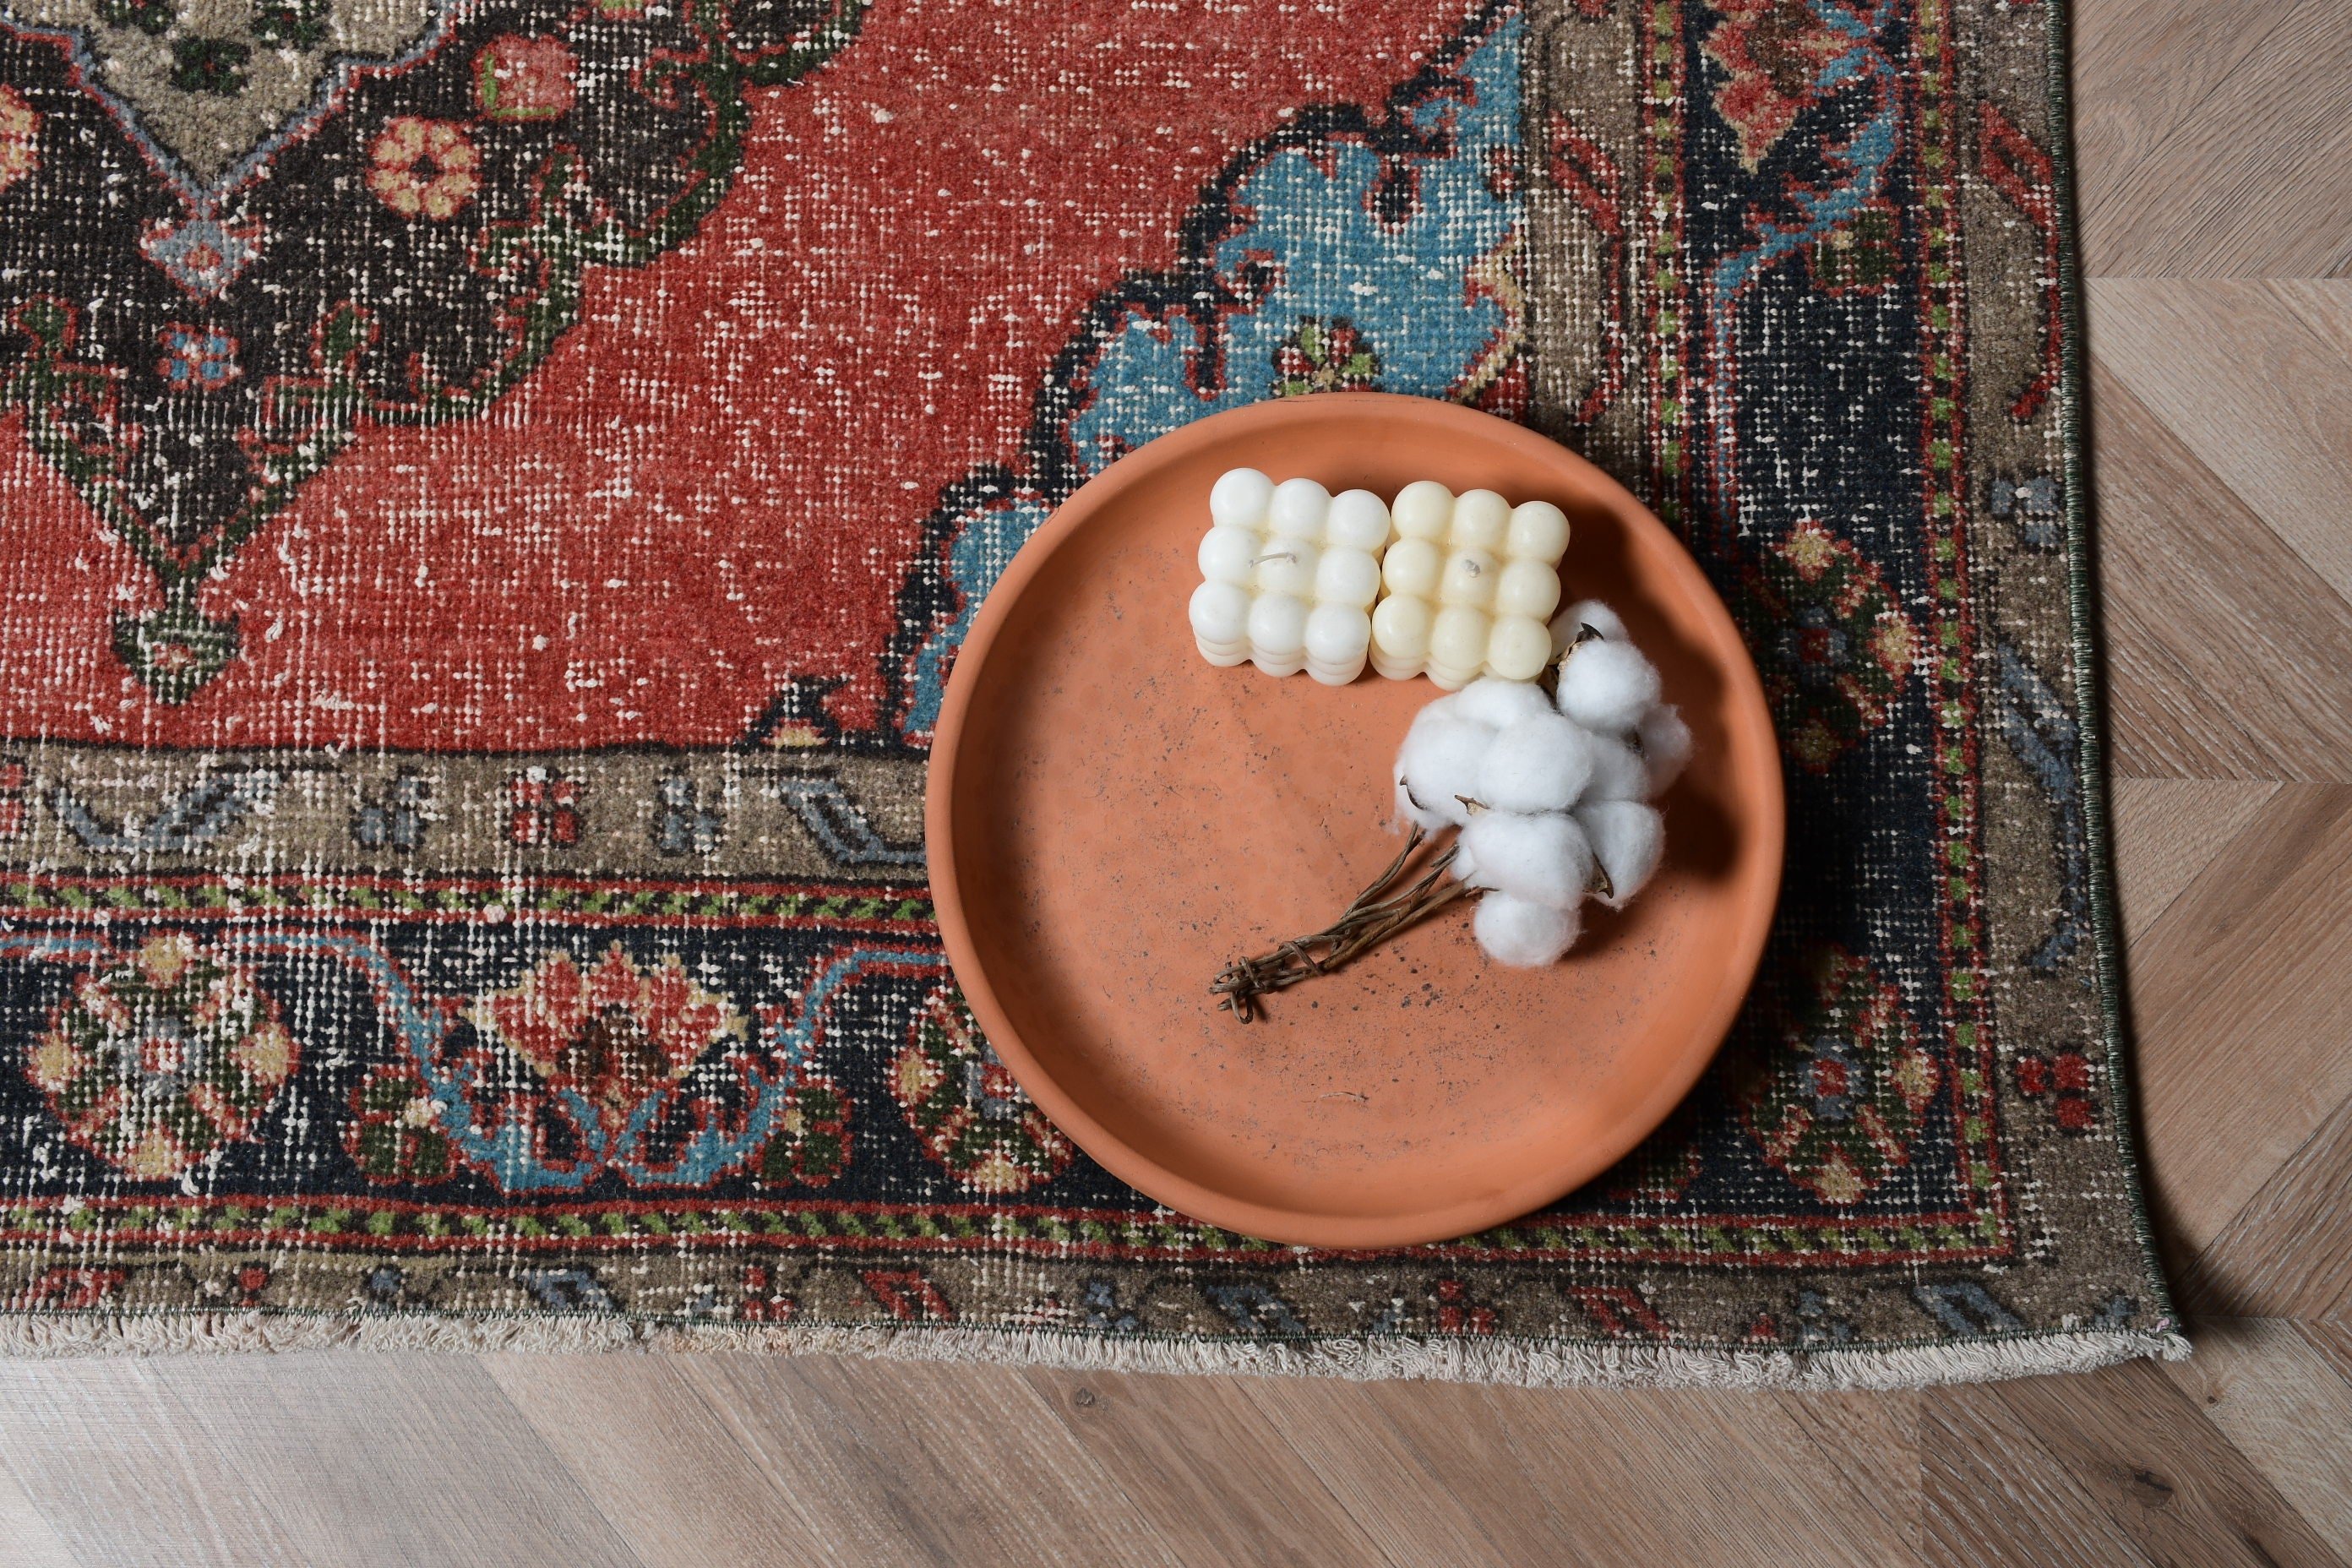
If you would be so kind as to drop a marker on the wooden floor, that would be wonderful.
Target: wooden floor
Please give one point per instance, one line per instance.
(2217, 145)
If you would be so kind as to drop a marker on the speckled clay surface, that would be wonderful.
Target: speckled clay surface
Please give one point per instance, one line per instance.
(1111, 819)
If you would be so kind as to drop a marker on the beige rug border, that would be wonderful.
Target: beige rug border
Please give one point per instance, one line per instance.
(1527, 1363)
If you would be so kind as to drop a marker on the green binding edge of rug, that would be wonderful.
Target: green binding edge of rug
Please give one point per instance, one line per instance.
(2090, 684)
(1533, 1361)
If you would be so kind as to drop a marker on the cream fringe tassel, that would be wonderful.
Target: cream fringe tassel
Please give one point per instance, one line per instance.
(1531, 1364)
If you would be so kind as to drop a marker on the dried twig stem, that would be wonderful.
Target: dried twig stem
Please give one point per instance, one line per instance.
(1547, 677)
(1376, 915)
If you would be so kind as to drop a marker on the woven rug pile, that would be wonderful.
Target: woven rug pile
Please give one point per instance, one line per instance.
(491, 491)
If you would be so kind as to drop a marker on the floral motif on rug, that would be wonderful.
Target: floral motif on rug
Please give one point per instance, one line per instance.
(495, 489)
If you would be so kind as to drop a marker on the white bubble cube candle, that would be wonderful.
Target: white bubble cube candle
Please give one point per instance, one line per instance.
(1289, 575)
(1468, 586)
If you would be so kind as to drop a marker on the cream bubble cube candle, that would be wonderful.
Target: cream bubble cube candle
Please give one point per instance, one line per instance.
(1289, 573)
(1468, 586)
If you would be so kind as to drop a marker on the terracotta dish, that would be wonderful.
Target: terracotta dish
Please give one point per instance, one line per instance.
(1111, 820)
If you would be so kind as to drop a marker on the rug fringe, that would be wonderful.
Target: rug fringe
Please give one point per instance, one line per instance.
(1527, 1363)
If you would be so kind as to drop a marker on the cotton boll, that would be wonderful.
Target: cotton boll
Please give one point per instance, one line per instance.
(1618, 771)
(1627, 838)
(1522, 934)
(1439, 762)
(1465, 864)
(1428, 818)
(1540, 763)
(1451, 706)
(1584, 612)
(1607, 685)
(1665, 746)
(1240, 498)
(1496, 703)
(1542, 858)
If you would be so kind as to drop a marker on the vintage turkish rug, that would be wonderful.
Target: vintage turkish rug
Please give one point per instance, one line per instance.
(491, 491)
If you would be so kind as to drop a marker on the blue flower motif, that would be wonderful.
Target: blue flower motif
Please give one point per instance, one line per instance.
(196, 359)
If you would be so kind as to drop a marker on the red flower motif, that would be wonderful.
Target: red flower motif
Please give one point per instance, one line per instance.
(762, 1302)
(524, 78)
(2065, 1079)
(1775, 50)
(1458, 1314)
(615, 1032)
(543, 808)
(424, 168)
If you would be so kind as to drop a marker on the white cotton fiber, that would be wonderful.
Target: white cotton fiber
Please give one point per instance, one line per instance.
(1540, 763)
(1439, 764)
(1627, 838)
(1618, 771)
(1665, 746)
(1584, 612)
(1522, 934)
(1410, 812)
(1542, 858)
(1497, 703)
(1607, 685)
(1448, 706)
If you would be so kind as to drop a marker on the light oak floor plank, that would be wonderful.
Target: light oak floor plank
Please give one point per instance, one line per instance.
(354, 1454)
(663, 1467)
(123, 1477)
(31, 1542)
(2281, 1403)
(1174, 1445)
(2325, 307)
(2238, 1002)
(2254, 178)
(1393, 1486)
(2140, 1450)
(2168, 830)
(916, 1462)
(2228, 655)
(1990, 1493)
(2236, 369)
(2142, 67)
(1827, 1479)
(2288, 1253)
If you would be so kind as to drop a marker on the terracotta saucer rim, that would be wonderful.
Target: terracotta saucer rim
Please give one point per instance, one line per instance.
(1446, 1221)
